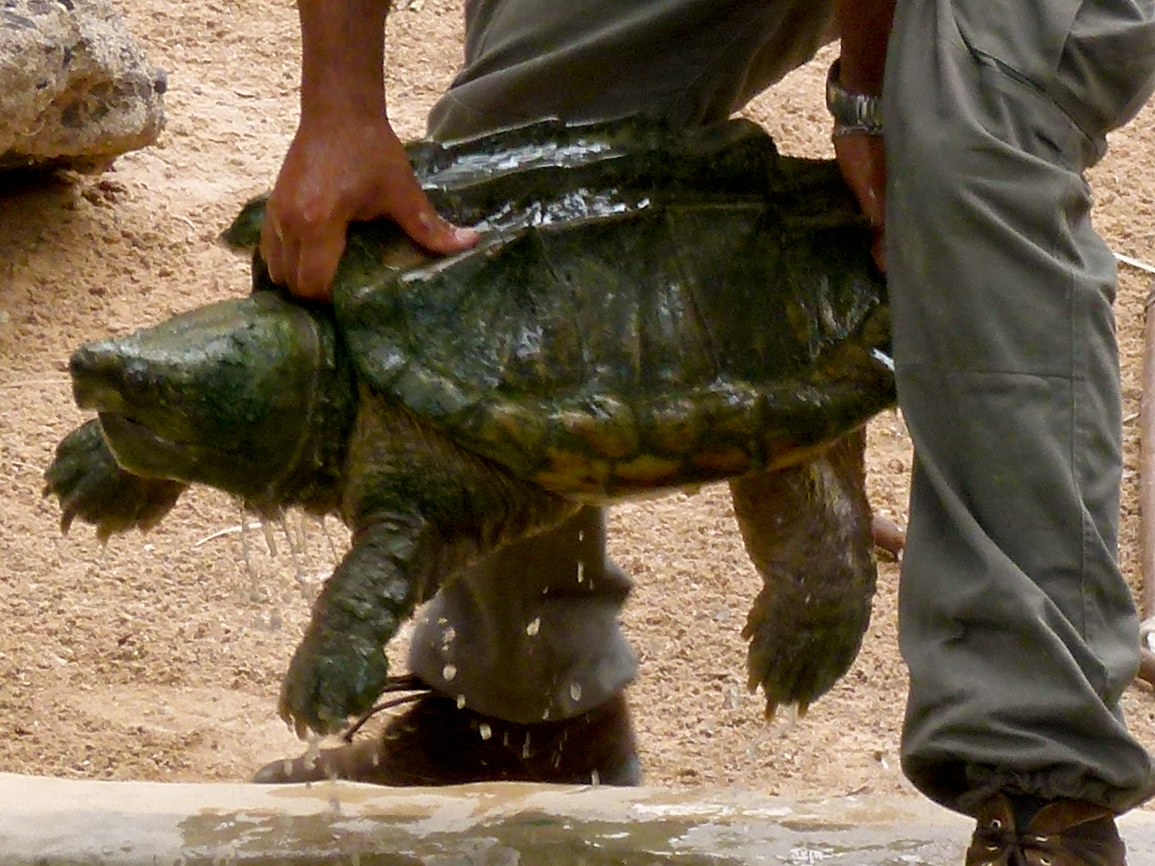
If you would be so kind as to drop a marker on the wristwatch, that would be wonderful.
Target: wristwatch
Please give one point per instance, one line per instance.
(853, 112)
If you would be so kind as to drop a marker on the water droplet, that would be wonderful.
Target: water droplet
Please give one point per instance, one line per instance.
(581, 570)
(461, 702)
(486, 731)
(533, 627)
(575, 691)
(595, 779)
(448, 673)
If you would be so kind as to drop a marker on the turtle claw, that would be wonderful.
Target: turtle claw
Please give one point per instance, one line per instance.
(331, 678)
(88, 482)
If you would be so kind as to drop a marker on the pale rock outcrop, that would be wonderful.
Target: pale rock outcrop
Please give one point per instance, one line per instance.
(76, 89)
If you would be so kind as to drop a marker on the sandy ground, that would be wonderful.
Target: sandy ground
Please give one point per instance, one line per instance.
(160, 656)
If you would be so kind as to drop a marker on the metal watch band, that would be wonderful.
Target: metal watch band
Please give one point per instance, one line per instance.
(852, 112)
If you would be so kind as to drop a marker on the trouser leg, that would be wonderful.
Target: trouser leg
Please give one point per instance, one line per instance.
(689, 62)
(531, 634)
(1019, 632)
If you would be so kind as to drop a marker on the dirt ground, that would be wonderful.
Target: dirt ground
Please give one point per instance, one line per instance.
(160, 656)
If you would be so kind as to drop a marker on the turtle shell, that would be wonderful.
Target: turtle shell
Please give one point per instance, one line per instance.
(646, 309)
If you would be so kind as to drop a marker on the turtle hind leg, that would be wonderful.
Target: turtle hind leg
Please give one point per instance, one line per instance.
(89, 484)
(807, 529)
(421, 508)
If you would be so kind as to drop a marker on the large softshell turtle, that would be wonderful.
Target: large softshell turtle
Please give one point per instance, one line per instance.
(646, 311)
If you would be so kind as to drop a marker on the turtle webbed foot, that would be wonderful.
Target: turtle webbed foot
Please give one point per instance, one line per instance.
(797, 651)
(89, 484)
(331, 678)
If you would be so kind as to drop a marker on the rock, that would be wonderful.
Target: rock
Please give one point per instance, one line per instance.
(76, 90)
(82, 822)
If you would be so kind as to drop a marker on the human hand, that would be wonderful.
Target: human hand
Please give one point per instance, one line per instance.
(862, 160)
(339, 169)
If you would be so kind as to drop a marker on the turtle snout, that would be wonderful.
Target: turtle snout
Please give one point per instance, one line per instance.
(107, 379)
(99, 377)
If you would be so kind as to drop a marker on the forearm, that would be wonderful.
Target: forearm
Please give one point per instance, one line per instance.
(865, 26)
(343, 57)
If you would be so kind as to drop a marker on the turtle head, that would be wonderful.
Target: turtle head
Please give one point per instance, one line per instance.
(252, 396)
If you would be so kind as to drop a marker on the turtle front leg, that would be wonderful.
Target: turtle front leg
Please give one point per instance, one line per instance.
(421, 508)
(339, 668)
(807, 529)
(89, 484)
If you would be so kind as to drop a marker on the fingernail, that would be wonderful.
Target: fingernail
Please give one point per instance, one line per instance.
(466, 235)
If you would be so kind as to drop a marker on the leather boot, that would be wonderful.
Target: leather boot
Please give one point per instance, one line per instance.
(436, 743)
(1027, 832)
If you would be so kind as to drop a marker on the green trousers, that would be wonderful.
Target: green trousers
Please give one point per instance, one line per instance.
(1018, 630)
(532, 633)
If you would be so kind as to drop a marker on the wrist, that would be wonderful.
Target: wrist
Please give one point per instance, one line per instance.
(343, 58)
(853, 112)
(340, 103)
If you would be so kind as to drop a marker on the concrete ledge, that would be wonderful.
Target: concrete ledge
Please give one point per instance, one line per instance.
(60, 822)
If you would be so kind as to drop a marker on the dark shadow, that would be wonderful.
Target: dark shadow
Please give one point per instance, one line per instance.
(39, 216)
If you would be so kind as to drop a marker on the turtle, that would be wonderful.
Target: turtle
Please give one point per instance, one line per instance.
(648, 310)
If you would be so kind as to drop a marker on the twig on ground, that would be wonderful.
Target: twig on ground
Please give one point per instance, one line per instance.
(1147, 465)
(229, 530)
(1135, 263)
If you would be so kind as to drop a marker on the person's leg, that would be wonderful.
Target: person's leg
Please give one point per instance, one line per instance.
(525, 667)
(1019, 632)
(690, 62)
(531, 633)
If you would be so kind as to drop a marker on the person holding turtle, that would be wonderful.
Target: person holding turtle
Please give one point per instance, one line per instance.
(964, 129)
